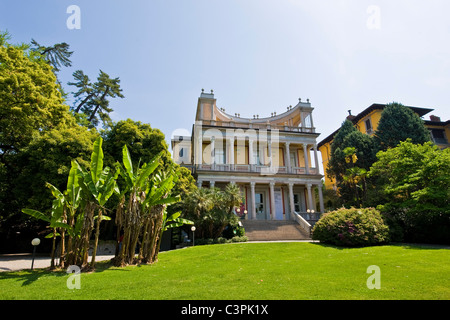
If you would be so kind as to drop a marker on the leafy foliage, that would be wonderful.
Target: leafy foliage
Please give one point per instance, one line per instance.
(414, 181)
(56, 55)
(30, 100)
(352, 154)
(398, 123)
(212, 210)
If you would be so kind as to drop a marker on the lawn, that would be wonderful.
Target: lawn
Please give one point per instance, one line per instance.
(249, 271)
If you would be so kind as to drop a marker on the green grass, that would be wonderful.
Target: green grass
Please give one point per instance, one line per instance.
(267, 271)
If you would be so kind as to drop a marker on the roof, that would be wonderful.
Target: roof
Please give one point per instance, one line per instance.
(376, 106)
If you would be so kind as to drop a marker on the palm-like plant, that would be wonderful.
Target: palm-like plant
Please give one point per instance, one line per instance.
(55, 219)
(141, 213)
(129, 218)
(99, 183)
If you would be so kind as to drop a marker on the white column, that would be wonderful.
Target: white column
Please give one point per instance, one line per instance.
(231, 153)
(251, 159)
(305, 156)
(302, 117)
(287, 158)
(291, 200)
(252, 193)
(322, 208)
(213, 158)
(199, 183)
(212, 184)
(310, 205)
(199, 155)
(316, 158)
(272, 201)
(269, 153)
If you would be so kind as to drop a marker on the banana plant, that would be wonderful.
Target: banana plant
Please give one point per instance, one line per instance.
(157, 199)
(130, 218)
(55, 219)
(172, 221)
(99, 184)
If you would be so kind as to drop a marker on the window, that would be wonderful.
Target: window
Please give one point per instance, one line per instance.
(292, 159)
(257, 156)
(368, 126)
(219, 156)
(438, 136)
(181, 153)
(308, 122)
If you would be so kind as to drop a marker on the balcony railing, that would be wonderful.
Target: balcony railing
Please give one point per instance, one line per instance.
(262, 126)
(255, 168)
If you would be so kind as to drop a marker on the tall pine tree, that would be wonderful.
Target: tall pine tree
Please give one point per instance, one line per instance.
(397, 124)
(339, 168)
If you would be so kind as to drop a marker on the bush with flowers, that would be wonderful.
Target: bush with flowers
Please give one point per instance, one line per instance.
(354, 227)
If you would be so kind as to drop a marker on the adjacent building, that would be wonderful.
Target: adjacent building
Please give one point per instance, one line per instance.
(274, 160)
(367, 122)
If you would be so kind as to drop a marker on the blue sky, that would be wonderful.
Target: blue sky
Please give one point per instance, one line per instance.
(258, 56)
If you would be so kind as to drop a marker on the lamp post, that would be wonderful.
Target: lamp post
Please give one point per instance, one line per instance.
(35, 242)
(193, 235)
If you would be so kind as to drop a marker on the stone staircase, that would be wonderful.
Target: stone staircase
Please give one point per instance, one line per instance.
(272, 230)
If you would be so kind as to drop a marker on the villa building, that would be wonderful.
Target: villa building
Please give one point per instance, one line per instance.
(272, 159)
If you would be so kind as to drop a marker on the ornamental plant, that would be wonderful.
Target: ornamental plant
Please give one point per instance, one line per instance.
(352, 227)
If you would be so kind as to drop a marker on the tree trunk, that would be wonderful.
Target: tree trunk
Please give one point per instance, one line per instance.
(52, 262)
(83, 102)
(98, 105)
(97, 233)
(62, 248)
(158, 220)
(119, 224)
(62, 255)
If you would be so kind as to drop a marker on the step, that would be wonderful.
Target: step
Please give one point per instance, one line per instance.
(269, 230)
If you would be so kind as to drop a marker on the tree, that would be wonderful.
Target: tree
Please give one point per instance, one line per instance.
(95, 96)
(141, 214)
(85, 91)
(143, 142)
(38, 134)
(348, 174)
(414, 181)
(30, 100)
(355, 177)
(99, 184)
(47, 158)
(211, 210)
(398, 123)
(55, 219)
(56, 55)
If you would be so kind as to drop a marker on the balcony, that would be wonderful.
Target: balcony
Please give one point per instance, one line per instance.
(255, 169)
(254, 125)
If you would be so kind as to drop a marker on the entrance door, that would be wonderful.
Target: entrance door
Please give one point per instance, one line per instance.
(297, 203)
(260, 206)
(278, 204)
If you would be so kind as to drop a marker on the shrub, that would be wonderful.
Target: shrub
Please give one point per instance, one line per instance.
(239, 239)
(220, 240)
(352, 227)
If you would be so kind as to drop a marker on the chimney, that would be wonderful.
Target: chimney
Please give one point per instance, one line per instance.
(435, 118)
(350, 116)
